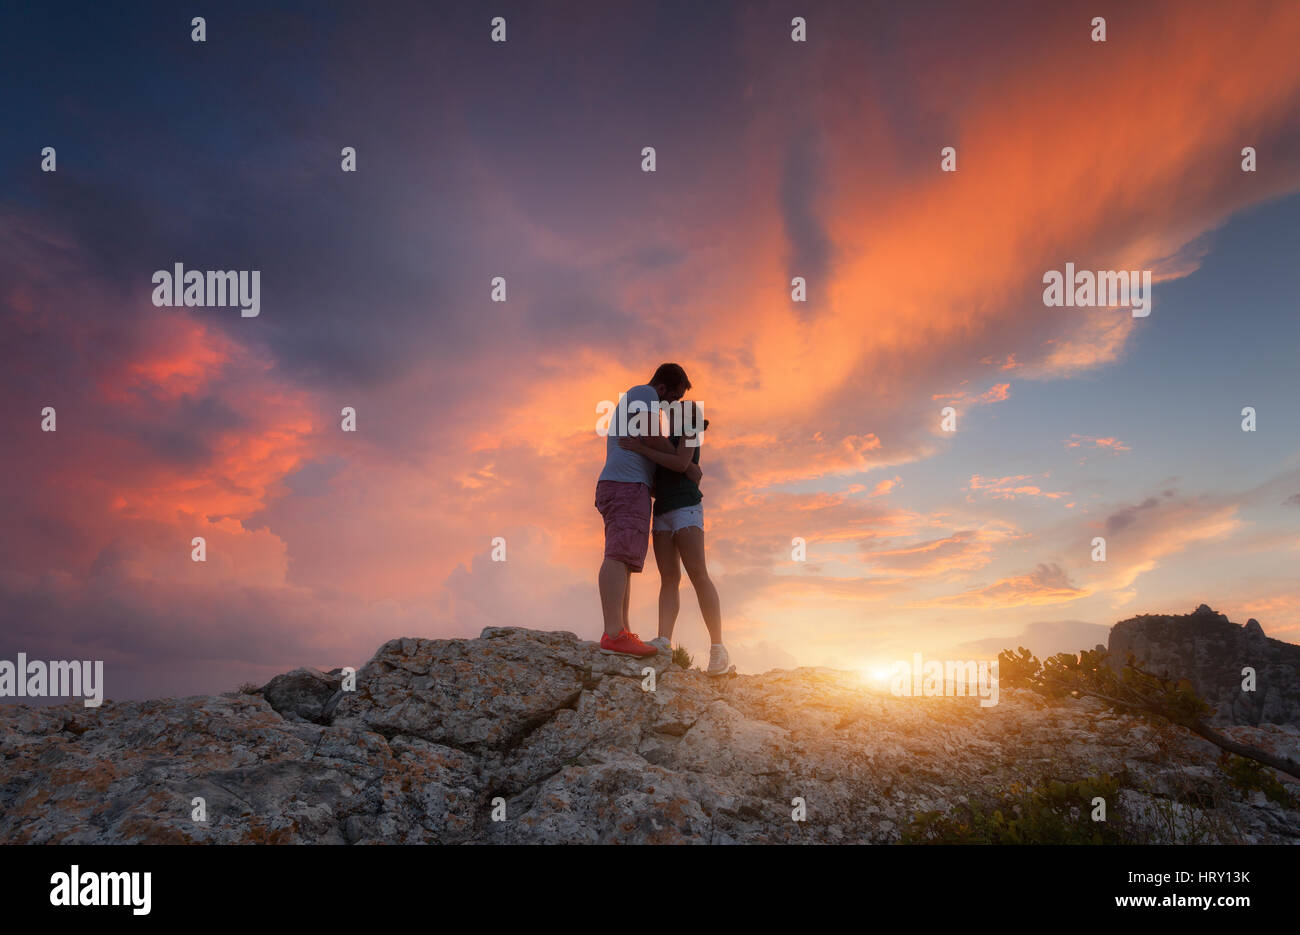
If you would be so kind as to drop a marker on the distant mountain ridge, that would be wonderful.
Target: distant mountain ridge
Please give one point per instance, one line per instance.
(1210, 651)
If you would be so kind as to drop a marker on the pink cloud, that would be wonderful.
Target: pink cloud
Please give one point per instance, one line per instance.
(1046, 584)
(1088, 441)
(1011, 488)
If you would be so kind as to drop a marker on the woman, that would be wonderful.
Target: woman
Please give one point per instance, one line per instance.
(678, 534)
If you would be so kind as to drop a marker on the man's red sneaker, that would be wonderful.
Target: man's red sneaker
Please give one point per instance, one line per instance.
(625, 644)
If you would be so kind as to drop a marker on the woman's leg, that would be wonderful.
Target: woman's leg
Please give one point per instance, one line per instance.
(690, 545)
(670, 579)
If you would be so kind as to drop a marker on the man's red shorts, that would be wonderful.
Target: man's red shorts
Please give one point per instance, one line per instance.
(626, 509)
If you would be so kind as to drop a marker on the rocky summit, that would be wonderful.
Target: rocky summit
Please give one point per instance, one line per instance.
(1212, 653)
(522, 736)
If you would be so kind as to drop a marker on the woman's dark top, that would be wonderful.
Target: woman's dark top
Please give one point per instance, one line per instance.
(673, 489)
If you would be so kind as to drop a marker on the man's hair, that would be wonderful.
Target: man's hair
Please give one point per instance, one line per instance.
(671, 376)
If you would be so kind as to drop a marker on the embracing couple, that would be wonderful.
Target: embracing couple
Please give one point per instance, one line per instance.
(640, 461)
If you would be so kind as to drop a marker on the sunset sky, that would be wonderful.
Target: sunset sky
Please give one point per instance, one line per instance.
(476, 419)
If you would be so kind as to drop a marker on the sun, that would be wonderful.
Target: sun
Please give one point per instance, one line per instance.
(875, 673)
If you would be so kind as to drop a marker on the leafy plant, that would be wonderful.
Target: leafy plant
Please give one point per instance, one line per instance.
(1129, 690)
(1249, 776)
(1051, 812)
(682, 657)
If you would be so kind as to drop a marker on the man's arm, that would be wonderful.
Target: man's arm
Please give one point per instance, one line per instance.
(656, 446)
(652, 443)
(677, 458)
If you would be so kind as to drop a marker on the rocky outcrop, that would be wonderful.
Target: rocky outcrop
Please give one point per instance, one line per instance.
(304, 693)
(1210, 651)
(536, 737)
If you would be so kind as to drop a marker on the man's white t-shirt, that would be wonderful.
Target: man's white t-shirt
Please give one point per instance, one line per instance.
(628, 466)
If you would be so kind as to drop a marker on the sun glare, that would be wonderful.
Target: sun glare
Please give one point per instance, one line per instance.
(875, 674)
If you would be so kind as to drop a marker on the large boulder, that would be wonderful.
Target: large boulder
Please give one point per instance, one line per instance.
(302, 693)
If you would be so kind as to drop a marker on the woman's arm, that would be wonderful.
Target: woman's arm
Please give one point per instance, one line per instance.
(680, 460)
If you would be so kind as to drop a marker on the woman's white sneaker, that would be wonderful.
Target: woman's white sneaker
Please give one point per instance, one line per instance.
(662, 643)
(719, 661)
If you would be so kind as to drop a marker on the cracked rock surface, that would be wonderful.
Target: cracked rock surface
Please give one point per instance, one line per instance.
(566, 743)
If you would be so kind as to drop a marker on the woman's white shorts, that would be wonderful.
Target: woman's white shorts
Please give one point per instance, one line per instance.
(681, 518)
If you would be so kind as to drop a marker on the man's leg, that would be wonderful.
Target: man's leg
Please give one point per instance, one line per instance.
(626, 511)
(627, 599)
(613, 582)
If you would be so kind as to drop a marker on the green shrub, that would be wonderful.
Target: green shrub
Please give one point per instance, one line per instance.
(1249, 776)
(1051, 812)
(1128, 689)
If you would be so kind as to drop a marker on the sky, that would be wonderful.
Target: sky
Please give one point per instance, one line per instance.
(476, 419)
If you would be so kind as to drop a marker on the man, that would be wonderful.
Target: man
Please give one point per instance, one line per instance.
(623, 499)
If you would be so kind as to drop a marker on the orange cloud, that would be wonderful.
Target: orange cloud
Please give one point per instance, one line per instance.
(1009, 488)
(963, 550)
(1088, 441)
(995, 394)
(1046, 584)
(1138, 538)
(885, 486)
(1009, 363)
